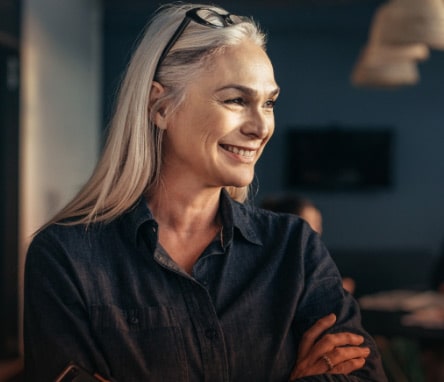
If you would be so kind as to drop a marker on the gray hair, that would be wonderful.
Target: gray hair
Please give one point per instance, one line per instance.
(130, 163)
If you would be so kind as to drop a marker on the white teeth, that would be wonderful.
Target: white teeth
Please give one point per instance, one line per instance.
(242, 152)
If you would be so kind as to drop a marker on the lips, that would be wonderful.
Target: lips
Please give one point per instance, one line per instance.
(244, 152)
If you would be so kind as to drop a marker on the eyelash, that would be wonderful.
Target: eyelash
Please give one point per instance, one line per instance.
(237, 101)
(269, 104)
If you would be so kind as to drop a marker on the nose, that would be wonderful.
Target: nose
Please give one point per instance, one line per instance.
(260, 124)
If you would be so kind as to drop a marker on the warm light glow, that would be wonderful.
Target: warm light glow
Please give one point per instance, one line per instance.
(388, 65)
(412, 21)
(401, 34)
(377, 70)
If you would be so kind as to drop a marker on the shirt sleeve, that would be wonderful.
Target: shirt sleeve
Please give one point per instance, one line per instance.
(56, 329)
(323, 294)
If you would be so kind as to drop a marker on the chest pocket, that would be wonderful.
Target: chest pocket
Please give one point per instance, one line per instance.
(141, 344)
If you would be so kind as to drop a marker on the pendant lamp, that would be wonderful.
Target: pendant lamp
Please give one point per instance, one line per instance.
(384, 66)
(387, 64)
(412, 21)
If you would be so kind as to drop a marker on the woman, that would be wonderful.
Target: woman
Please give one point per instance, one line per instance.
(157, 270)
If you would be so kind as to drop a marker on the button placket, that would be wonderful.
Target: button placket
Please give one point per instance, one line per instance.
(210, 336)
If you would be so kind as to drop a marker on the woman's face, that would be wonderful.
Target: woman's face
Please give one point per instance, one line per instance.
(219, 132)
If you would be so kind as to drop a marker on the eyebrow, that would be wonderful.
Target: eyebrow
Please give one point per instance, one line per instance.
(246, 90)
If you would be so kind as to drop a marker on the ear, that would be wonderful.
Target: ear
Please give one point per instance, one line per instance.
(159, 119)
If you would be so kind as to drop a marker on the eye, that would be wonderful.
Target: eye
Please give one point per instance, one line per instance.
(235, 101)
(269, 104)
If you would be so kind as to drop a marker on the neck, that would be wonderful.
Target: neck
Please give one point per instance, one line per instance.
(188, 222)
(185, 212)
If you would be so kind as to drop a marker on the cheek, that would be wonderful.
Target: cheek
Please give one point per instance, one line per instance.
(209, 129)
(204, 131)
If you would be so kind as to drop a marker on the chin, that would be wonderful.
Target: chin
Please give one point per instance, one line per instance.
(240, 182)
(237, 178)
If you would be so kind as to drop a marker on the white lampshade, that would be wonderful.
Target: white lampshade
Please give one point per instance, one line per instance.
(384, 62)
(381, 67)
(411, 21)
(377, 52)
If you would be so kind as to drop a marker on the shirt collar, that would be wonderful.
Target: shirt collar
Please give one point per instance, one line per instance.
(135, 218)
(235, 215)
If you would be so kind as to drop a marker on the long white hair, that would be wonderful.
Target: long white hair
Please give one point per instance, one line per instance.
(130, 163)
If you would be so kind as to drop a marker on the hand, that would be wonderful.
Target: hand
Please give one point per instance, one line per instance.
(337, 353)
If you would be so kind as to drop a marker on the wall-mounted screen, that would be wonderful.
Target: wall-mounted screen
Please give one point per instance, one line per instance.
(339, 158)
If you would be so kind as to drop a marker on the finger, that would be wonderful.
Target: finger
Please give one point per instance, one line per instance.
(348, 367)
(331, 341)
(325, 365)
(343, 354)
(313, 333)
(327, 362)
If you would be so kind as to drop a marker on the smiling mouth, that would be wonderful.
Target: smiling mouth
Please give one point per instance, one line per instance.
(240, 151)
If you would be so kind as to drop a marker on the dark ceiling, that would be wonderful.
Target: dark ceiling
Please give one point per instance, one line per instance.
(141, 5)
(134, 13)
(269, 3)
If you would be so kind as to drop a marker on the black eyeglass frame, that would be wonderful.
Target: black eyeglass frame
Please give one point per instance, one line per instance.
(192, 15)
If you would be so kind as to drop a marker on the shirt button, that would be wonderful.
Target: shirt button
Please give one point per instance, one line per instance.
(211, 333)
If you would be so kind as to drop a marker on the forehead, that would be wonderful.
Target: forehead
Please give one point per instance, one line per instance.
(245, 64)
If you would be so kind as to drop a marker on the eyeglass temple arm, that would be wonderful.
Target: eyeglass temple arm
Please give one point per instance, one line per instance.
(173, 40)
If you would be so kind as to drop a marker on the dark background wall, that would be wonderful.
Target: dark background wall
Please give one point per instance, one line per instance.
(314, 46)
(313, 65)
(9, 167)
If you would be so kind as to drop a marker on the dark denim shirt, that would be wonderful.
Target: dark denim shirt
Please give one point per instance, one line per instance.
(109, 298)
